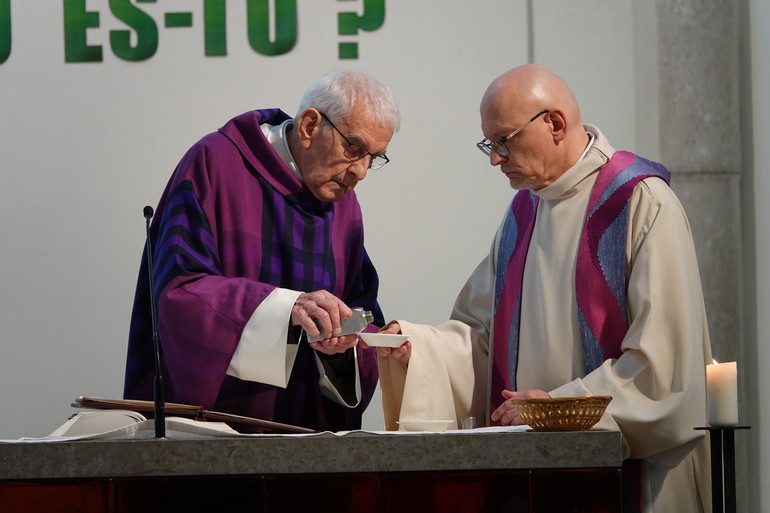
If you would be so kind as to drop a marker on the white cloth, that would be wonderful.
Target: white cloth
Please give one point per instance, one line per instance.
(658, 384)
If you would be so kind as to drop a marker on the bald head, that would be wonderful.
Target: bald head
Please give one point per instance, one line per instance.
(531, 88)
(554, 142)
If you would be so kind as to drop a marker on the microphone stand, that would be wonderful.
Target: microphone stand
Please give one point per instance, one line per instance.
(160, 395)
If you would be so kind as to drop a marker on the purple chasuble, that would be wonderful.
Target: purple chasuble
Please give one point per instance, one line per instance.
(233, 224)
(600, 276)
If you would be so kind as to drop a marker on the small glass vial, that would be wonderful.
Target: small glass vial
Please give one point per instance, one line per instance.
(354, 324)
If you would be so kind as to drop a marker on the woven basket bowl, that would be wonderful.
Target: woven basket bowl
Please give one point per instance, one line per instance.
(562, 413)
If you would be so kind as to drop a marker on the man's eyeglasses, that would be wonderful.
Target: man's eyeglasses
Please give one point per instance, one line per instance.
(355, 152)
(487, 145)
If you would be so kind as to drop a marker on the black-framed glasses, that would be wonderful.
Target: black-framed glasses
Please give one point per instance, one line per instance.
(355, 152)
(487, 145)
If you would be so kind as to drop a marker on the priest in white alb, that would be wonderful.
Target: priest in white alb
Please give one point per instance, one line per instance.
(591, 287)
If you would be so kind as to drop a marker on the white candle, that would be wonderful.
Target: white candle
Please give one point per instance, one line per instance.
(722, 384)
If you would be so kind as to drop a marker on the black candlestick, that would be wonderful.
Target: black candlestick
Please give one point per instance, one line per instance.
(723, 467)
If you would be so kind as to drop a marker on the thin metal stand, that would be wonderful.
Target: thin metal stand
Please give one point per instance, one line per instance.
(723, 467)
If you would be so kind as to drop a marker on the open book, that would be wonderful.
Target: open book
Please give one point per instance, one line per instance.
(90, 423)
(196, 413)
(131, 425)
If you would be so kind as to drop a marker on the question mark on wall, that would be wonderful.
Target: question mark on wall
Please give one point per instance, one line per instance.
(349, 22)
(5, 30)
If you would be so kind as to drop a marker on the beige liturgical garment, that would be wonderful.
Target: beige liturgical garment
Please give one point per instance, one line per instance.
(658, 384)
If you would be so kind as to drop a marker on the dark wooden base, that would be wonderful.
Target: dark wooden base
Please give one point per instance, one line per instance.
(515, 491)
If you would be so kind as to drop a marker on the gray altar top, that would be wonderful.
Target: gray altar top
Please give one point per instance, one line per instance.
(322, 453)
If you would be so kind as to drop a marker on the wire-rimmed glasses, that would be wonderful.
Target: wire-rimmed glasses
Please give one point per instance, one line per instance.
(355, 152)
(498, 145)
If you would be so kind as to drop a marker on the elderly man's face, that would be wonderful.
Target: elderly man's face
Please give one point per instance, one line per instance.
(328, 172)
(528, 164)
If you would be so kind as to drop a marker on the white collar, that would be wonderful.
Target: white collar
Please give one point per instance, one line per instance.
(591, 139)
(276, 136)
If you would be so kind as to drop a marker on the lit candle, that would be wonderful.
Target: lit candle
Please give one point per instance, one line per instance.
(722, 385)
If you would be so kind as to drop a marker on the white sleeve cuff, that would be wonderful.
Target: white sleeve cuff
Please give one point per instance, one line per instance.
(262, 354)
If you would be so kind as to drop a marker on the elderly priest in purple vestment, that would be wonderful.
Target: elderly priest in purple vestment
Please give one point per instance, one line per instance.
(258, 242)
(591, 287)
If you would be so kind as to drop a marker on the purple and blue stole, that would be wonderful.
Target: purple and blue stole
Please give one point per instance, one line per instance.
(600, 277)
(600, 281)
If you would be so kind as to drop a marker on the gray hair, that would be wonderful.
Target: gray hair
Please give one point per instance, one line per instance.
(337, 92)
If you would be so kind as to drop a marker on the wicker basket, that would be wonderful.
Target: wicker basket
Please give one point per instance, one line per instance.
(562, 413)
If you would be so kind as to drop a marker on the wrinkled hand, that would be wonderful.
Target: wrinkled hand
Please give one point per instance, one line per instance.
(507, 414)
(335, 345)
(402, 353)
(320, 312)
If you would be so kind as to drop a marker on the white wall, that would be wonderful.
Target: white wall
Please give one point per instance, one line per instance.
(83, 147)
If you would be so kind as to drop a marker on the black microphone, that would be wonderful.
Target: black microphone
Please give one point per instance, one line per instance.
(160, 393)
